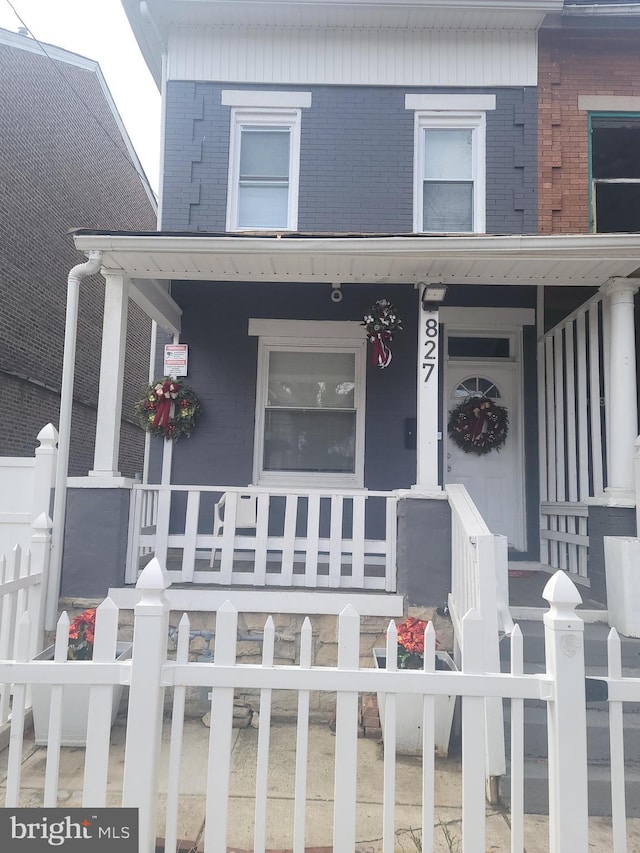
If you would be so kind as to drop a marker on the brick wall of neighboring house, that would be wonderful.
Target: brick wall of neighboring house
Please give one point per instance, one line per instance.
(570, 65)
(63, 165)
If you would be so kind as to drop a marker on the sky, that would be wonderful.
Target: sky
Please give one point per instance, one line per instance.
(99, 30)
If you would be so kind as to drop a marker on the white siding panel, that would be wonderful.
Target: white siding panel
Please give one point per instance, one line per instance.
(397, 57)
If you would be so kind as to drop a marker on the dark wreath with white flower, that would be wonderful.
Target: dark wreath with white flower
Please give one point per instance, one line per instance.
(478, 425)
(381, 321)
(168, 409)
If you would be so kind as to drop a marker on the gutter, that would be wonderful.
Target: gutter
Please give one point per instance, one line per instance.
(76, 275)
(610, 10)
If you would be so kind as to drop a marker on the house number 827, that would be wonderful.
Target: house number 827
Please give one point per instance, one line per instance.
(430, 350)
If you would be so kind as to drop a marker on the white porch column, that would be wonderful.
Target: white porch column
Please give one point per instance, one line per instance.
(622, 415)
(114, 337)
(427, 435)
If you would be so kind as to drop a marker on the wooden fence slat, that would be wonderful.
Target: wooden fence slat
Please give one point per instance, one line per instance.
(616, 746)
(302, 745)
(389, 738)
(335, 541)
(346, 748)
(16, 738)
(176, 740)
(220, 735)
(313, 535)
(96, 766)
(288, 547)
(228, 537)
(473, 770)
(190, 534)
(517, 748)
(262, 533)
(54, 731)
(428, 745)
(357, 538)
(264, 734)
(162, 521)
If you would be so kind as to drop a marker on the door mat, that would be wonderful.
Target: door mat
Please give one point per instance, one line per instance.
(522, 573)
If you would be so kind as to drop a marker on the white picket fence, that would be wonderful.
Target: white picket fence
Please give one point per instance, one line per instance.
(311, 537)
(149, 673)
(22, 590)
(25, 490)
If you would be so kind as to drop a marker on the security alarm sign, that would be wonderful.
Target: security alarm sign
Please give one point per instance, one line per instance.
(175, 359)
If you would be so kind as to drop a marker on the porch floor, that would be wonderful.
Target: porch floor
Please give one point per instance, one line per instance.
(319, 813)
(526, 583)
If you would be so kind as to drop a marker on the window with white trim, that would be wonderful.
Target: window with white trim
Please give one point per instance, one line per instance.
(264, 166)
(449, 179)
(310, 412)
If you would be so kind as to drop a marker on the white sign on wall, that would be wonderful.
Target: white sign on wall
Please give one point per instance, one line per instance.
(175, 359)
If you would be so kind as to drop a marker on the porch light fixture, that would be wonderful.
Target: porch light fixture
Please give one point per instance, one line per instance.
(433, 295)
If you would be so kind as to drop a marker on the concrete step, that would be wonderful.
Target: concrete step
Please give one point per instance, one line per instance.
(536, 789)
(535, 732)
(595, 645)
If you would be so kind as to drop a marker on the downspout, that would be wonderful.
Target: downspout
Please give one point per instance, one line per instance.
(76, 275)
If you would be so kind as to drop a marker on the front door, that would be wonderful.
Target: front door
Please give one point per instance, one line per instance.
(494, 480)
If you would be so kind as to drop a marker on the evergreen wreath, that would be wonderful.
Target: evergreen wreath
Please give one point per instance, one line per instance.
(168, 409)
(478, 425)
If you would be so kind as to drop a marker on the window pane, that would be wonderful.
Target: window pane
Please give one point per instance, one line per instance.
(311, 380)
(479, 347)
(264, 153)
(447, 206)
(317, 440)
(448, 154)
(263, 206)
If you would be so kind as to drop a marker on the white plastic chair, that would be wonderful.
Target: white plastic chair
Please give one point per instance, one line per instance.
(246, 516)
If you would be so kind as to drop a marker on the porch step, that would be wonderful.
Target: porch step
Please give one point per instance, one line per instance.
(535, 724)
(536, 789)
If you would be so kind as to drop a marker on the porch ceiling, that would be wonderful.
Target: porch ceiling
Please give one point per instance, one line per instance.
(586, 260)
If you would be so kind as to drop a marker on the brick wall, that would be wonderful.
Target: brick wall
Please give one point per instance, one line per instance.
(63, 164)
(574, 64)
(356, 159)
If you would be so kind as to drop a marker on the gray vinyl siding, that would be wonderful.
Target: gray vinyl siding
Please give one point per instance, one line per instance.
(356, 162)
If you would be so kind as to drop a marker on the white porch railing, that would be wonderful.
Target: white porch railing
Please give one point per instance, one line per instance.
(561, 687)
(480, 582)
(572, 370)
(22, 588)
(311, 538)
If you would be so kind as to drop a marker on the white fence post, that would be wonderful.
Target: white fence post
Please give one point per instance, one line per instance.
(146, 699)
(566, 718)
(44, 475)
(40, 552)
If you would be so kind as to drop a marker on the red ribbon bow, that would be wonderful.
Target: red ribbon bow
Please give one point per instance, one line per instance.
(166, 393)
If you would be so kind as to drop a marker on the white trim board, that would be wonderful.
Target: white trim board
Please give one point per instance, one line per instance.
(324, 329)
(449, 103)
(490, 318)
(246, 98)
(263, 601)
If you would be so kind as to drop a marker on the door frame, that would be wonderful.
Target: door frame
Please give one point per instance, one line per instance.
(462, 325)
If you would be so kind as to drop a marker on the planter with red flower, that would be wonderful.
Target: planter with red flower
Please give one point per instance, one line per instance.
(75, 697)
(409, 706)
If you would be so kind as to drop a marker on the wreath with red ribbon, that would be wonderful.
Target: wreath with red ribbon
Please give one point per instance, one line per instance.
(380, 322)
(168, 409)
(478, 425)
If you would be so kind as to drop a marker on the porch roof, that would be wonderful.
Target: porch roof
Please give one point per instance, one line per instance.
(585, 260)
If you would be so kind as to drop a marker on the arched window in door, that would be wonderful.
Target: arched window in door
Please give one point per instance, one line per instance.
(476, 386)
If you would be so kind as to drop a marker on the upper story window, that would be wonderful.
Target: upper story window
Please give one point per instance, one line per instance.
(264, 164)
(449, 187)
(615, 173)
(449, 161)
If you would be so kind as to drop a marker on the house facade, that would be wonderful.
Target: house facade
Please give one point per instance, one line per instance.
(319, 158)
(65, 159)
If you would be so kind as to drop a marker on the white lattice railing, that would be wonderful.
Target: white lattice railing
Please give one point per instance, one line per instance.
(311, 538)
(572, 367)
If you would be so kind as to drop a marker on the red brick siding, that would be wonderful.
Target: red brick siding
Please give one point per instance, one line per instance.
(571, 65)
(63, 165)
